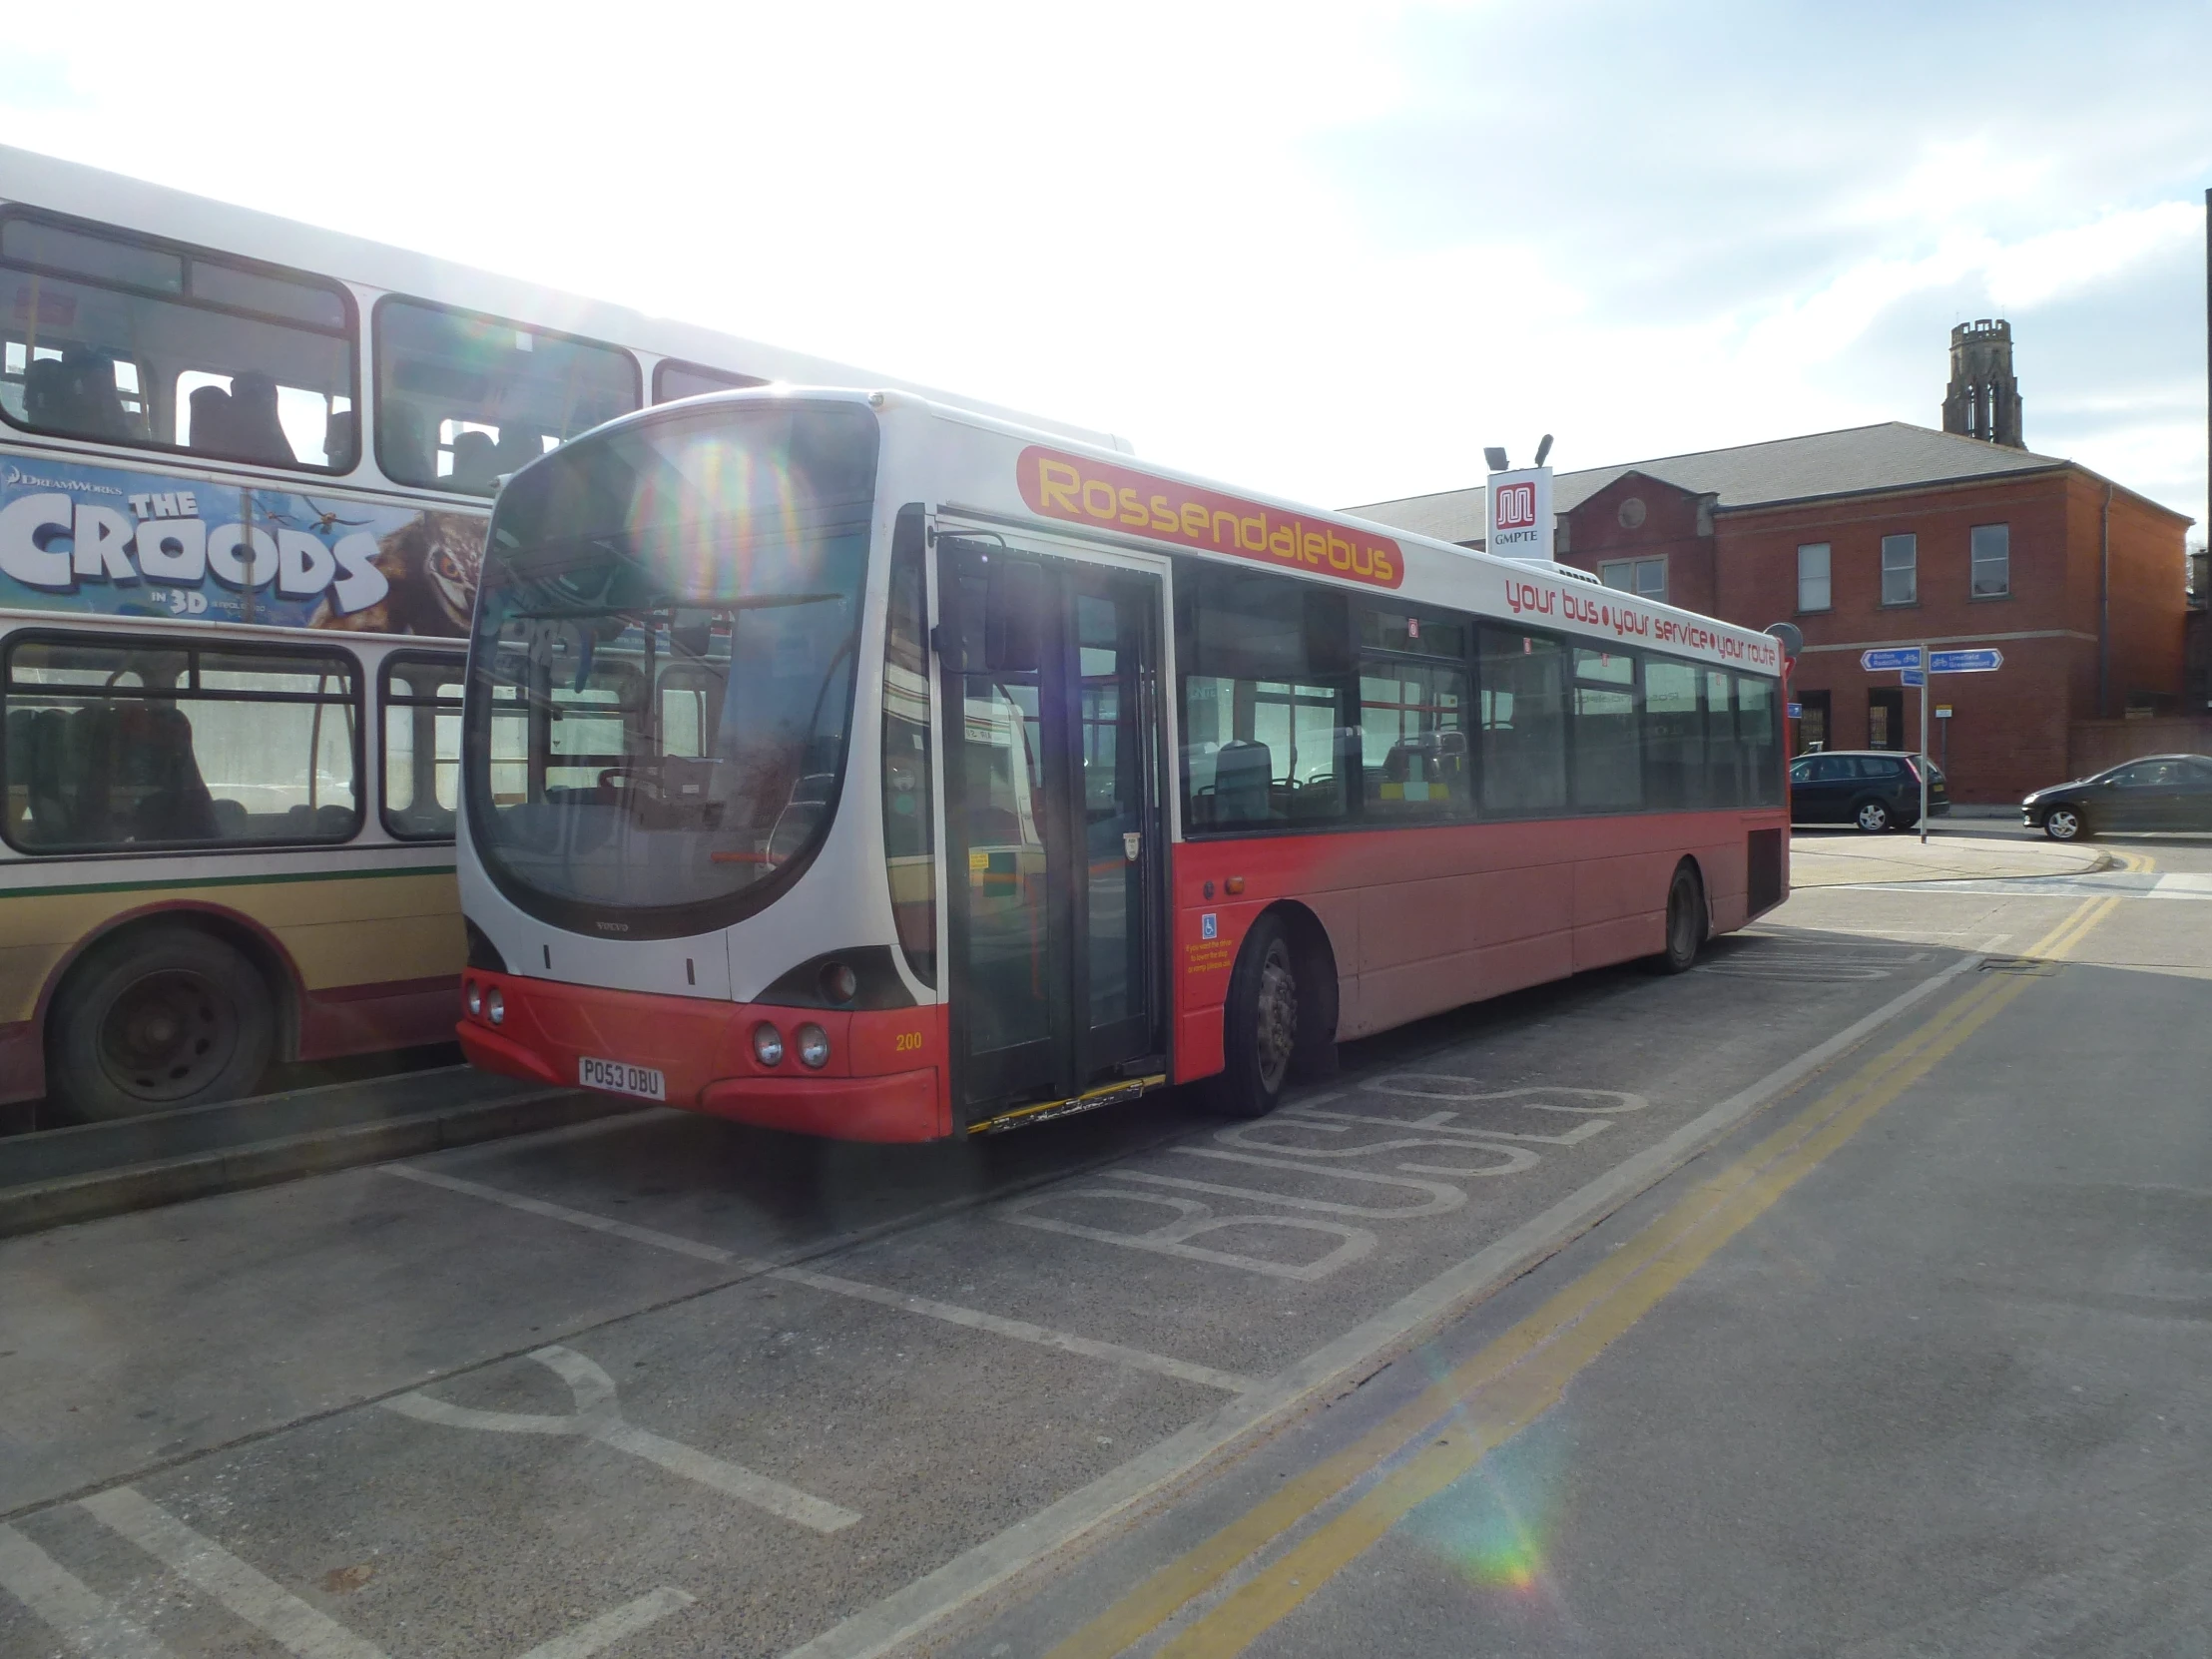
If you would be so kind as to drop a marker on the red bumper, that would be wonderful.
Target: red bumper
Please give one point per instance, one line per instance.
(884, 1079)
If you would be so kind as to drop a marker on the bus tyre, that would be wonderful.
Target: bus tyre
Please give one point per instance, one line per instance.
(154, 1021)
(1685, 923)
(1260, 1023)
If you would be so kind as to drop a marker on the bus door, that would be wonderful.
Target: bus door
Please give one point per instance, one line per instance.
(1056, 836)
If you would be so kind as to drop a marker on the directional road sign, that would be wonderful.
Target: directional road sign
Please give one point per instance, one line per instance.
(1987, 660)
(1893, 656)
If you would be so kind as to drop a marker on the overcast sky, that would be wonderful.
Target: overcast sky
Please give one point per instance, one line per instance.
(1326, 250)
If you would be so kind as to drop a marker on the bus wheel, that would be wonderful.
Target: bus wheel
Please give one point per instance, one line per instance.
(161, 1019)
(1685, 923)
(1260, 1033)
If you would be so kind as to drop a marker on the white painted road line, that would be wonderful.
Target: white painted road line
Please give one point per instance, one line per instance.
(1021, 1330)
(260, 1601)
(609, 1628)
(597, 1416)
(575, 1217)
(78, 1614)
(906, 1614)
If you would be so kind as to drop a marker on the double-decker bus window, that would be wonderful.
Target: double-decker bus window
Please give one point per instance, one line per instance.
(1608, 753)
(1674, 735)
(421, 700)
(673, 379)
(115, 746)
(1522, 687)
(127, 340)
(909, 835)
(463, 400)
(1268, 694)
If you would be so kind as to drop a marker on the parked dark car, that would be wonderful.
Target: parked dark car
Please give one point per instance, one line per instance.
(1873, 788)
(2157, 791)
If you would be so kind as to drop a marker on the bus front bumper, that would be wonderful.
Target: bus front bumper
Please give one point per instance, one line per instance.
(883, 1080)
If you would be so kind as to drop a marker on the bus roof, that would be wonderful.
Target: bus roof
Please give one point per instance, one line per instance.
(1105, 494)
(90, 192)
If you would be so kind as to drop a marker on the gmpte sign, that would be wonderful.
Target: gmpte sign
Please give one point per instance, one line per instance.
(1520, 514)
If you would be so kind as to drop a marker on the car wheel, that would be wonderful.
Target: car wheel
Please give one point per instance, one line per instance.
(1260, 1023)
(155, 1021)
(1685, 925)
(2066, 824)
(1872, 817)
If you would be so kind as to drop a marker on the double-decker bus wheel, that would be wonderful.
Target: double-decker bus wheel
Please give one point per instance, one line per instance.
(1259, 1036)
(157, 1021)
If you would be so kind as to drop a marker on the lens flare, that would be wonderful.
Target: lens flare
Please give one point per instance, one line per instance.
(1492, 1525)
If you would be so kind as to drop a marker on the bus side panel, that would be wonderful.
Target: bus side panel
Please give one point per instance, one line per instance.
(370, 961)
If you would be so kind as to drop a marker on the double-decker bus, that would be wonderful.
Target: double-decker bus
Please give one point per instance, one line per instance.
(245, 468)
(853, 764)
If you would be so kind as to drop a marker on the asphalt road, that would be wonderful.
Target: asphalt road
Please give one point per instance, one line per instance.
(1846, 1293)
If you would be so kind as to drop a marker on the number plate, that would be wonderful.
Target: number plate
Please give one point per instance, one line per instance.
(620, 1078)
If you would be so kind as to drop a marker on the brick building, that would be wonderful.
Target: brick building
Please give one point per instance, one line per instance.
(1897, 535)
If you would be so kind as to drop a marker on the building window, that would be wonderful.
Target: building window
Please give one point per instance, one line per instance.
(1901, 566)
(1813, 590)
(1992, 560)
(1645, 578)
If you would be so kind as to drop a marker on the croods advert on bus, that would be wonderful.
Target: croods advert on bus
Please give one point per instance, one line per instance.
(91, 540)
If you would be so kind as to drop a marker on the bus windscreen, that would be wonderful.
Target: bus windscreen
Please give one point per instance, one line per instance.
(662, 674)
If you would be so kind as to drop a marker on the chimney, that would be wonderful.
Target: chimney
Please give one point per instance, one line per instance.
(1983, 400)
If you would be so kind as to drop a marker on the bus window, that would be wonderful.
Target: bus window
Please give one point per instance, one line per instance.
(130, 341)
(421, 700)
(1524, 737)
(672, 379)
(1608, 755)
(462, 399)
(113, 746)
(1267, 691)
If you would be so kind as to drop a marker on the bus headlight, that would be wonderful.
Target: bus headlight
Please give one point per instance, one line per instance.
(475, 998)
(768, 1044)
(814, 1047)
(495, 1006)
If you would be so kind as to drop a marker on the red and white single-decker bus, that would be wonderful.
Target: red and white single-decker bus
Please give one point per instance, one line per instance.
(851, 764)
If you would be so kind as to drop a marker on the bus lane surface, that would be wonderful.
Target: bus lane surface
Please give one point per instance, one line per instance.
(660, 1367)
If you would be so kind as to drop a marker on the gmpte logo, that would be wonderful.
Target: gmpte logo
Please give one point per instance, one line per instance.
(1517, 506)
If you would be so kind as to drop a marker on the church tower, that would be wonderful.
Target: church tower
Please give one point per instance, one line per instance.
(1983, 400)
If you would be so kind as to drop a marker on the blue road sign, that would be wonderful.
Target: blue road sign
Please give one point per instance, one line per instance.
(1894, 657)
(1912, 677)
(1797, 711)
(1965, 662)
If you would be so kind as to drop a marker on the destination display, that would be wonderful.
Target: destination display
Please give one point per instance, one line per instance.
(89, 540)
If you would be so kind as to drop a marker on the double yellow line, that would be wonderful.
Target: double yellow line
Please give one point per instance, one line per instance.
(1427, 1445)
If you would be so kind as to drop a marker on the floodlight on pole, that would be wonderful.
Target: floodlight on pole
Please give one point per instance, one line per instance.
(1543, 449)
(1496, 457)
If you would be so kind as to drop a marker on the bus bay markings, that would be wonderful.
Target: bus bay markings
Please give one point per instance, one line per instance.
(87, 1620)
(254, 1597)
(1256, 1145)
(1021, 1330)
(597, 1416)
